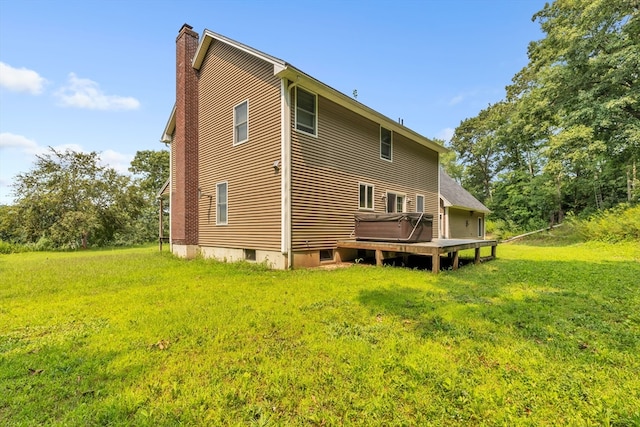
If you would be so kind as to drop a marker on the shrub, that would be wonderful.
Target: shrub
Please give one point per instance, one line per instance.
(618, 224)
(10, 248)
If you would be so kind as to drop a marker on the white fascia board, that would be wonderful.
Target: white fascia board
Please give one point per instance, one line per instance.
(464, 208)
(446, 204)
(209, 36)
(170, 127)
(300, 78)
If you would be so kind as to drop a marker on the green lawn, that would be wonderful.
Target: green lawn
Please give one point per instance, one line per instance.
(541, 336)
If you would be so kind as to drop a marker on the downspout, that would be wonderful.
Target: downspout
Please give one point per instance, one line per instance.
(446, 222)
(285, 176)
(170, 193)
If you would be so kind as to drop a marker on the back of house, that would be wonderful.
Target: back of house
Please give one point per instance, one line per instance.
(270, 165)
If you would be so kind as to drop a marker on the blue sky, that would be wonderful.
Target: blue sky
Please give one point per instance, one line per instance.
(100, 75)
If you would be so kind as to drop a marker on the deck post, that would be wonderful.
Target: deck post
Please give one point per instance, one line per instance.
(477, 257)
(493, 251)
(379, 257)
(455, 260)
(435, 262)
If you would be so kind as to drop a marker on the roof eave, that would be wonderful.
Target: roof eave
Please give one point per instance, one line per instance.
(448, 204)
(170, 127)
(162, 189)
(209, 36)
(339, 98)
(283, 70)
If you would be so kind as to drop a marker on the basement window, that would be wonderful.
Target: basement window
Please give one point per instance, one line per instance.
(250, 254)
(326, 255)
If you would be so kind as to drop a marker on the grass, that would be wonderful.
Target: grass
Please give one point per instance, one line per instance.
(541, 336)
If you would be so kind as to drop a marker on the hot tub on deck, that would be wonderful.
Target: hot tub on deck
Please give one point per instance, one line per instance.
(409, 227)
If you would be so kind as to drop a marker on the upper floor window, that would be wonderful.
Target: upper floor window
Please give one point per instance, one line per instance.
(419, 203)
(222, 205)
(366, 196)
(241, 123)
(306, 112)
(386, 143)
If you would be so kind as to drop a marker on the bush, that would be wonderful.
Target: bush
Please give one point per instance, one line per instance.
(11, 248)
(501, 229)
(618, 224)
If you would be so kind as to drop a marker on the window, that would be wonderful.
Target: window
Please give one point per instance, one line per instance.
(480, 227)
(306, 106)
(221, 203)
(326, 255)
(366, 196)
(395, 202)
(241, 123)
(419, 203)
(250, 254)
(386, 142)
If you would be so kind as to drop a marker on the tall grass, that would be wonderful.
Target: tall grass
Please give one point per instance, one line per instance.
(541, 336)
(619, 224)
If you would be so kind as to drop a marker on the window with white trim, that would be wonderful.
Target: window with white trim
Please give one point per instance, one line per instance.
(366, 196)
(480, 227)
(386, 144)
(419, 203)
(222, 205)
(306, 112)
(241, 123)
(395, 202)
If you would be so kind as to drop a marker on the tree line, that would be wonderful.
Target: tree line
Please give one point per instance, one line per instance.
(566, 138)
(70, 200)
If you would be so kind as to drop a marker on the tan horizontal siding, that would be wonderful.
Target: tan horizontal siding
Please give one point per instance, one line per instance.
(463, 224)
(227, 78)
(326, 172)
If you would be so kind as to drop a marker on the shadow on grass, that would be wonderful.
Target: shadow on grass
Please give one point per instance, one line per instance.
(49, 373)
(574, 304)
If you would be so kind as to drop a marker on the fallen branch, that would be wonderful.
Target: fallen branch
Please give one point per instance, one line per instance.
(511, 239)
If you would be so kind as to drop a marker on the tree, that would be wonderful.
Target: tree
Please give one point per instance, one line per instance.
(477, 141)
(570, 122)
(70, 199)
(151, 170)
(584, 74)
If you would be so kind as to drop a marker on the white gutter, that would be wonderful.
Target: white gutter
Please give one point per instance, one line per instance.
(298, 77)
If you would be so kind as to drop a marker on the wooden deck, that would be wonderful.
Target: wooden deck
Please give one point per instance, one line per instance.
(434, 249)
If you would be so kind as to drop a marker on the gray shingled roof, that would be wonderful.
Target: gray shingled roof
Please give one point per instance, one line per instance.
(457, 197)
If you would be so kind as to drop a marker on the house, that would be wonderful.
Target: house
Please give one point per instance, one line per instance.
(461, 215)
(270, 164)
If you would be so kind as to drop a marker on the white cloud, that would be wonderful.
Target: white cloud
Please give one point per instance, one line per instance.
(29, 146)
(11, 140)
(21, 79)
(456, 100)
(446, 134)
(119, 161)
(85, 93)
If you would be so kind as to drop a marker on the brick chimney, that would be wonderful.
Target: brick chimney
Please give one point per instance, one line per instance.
(184, 201)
